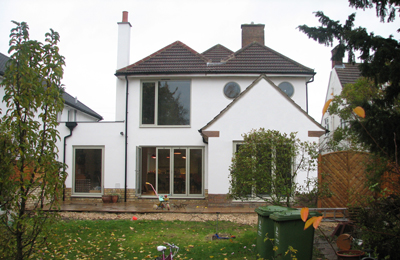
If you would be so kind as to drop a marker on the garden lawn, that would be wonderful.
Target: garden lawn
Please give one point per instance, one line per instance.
(125, 239)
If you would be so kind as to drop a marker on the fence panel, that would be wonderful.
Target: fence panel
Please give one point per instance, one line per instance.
(344, 175)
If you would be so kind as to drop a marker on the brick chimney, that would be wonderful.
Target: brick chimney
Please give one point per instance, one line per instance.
(336, 61)
(124, 41)
(252, 33)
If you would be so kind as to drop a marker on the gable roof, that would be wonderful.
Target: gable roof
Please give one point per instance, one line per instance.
(348, 73)
(174, 58)
(178, 58)
(69, 100)
(73, 102)
(217, 53)
(261, 77)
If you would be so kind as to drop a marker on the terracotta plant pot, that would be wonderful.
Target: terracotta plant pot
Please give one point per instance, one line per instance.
(349, 254)
(114, 198)
(106, 198)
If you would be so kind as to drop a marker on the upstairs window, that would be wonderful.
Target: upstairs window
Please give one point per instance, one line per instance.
(166, 103)
(327, 123)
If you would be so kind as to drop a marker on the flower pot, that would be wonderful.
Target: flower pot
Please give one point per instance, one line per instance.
(114, 198)
(106, 198)
(349, 254)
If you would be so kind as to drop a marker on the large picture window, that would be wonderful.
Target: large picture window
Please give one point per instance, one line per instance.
(88, 170)
(166, 103)
(171, 170)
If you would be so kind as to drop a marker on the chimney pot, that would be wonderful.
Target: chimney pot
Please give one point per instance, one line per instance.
(125, 16)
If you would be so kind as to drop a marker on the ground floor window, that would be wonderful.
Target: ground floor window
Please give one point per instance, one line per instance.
(88, 170)
(177, 171)
(271, 161)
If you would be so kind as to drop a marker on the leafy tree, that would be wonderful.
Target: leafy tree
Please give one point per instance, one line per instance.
(31, 178)
(380, 65)
(266, 165)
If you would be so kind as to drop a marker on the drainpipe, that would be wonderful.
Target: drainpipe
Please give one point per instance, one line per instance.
(71, 126)
(312, 80)
(126, 133)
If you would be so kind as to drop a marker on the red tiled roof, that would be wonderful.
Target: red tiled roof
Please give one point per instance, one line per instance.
(349, 73)
(177, 58)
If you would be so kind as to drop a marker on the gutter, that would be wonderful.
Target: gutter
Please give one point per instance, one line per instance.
(202, 135)
(310, 81)
(71, 126)
(126, 135)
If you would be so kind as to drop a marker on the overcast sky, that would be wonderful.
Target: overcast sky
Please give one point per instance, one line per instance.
(88, 30)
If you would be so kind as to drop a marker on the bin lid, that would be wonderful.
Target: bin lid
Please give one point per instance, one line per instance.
(268, 210)
(291, 215)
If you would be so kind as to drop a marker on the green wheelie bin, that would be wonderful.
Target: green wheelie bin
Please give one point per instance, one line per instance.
(265, 227)
(289, 232)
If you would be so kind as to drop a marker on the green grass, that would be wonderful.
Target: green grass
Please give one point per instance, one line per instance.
(125, 239)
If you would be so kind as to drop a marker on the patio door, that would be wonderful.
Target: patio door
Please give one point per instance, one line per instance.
(176, 171)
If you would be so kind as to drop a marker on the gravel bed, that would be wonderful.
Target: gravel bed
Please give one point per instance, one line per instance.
(247, 219)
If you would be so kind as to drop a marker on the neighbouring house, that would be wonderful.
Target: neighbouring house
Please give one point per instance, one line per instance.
(74, 111)
(342, 172)
(180, 116)
(341, 74)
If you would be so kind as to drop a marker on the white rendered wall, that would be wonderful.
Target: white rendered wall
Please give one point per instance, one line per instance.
(252, 112)
(99, 134)
(207, 101)
(123, 54)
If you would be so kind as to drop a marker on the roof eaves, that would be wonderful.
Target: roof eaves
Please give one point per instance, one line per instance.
(72, 102)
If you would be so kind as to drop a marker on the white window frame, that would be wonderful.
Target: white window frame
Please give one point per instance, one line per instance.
(86, 194)
(156, 104)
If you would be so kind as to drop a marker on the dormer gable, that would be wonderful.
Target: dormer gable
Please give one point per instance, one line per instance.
(217, 53)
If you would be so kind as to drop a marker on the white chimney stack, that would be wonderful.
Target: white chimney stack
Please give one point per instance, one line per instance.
(124, 41)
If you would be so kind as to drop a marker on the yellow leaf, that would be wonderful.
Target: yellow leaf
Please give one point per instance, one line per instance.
(309, 222)
(317, 221)
(359, 111)
(304, 214)
(326, 106)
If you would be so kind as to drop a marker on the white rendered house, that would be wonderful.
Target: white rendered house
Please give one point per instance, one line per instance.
(185, 111)
(341, 74)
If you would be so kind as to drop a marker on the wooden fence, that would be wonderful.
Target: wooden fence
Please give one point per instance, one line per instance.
(343, 174)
